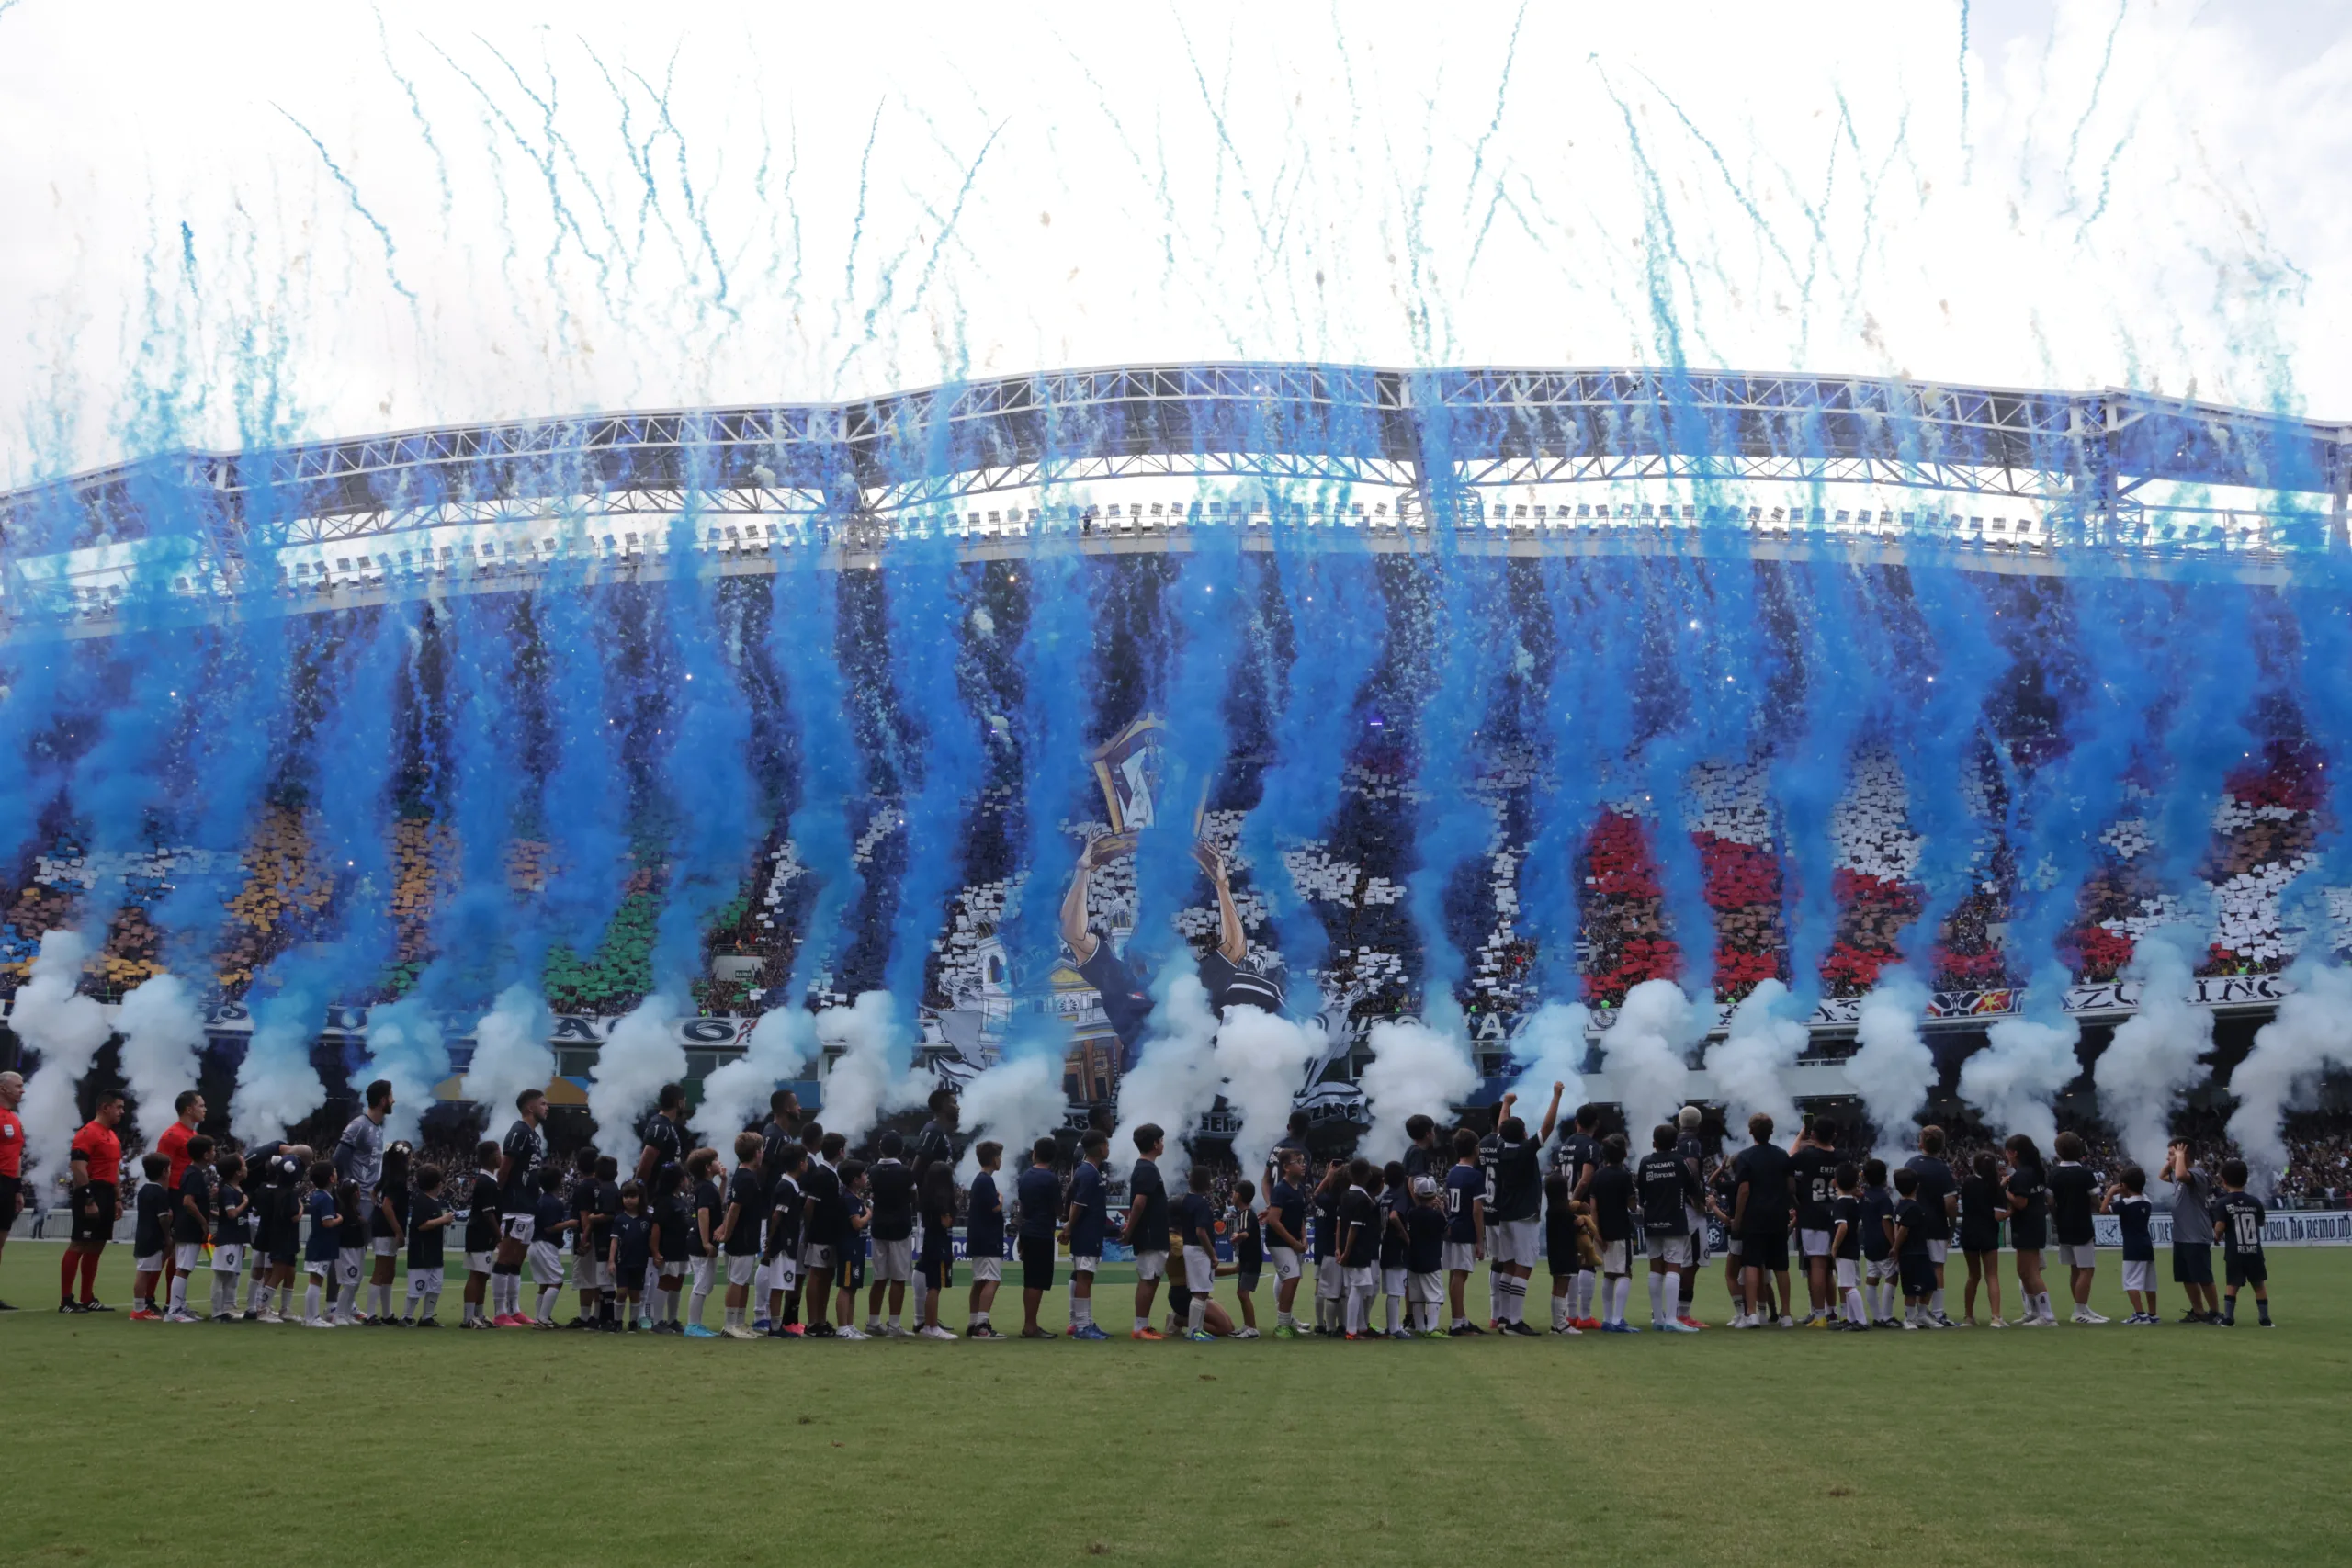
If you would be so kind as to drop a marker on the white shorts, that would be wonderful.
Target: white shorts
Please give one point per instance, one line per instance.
(1849, 1274)
(1286, 1263)
(1200, 1271)
(1675, 1251)
(986, 1270)
(320, 1268)
(187, 1257)
(1150, 1265)
(547, 1265)
(590, 1273)
(1427, 1290)
(153, 1263)
(480, 1262)
(1696, 1223)
(741, 1266)
(2073, 1256)
(228, 1257)
(1613, 1257)
(1460, 1256)
(1328, 1283)
(424, 1281)
(698, 1272)
(2140, 1275)
(1363, 1282)
(1813, 1244)
(1516, 1241)
(1882, 1270)
(1392, 1282)
(1086, 1263)
(895, 1261)
(384, 1247)
(816, 1255)
(783, 1273)
(1731, 1247)
(1937, 1250)
(518, 1227)
(347, 1264)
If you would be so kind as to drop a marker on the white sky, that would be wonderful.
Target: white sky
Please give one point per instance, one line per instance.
(841, 201)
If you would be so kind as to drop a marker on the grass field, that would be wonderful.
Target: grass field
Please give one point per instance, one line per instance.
(255, 1445)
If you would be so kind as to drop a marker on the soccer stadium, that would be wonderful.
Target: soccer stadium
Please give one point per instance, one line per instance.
(1039, 966)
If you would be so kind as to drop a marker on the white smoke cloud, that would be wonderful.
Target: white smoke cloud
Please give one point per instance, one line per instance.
(2311, 1036)
(1550, 1050)
(1751, 1064)
(866, 1083)
(641, 1055)
(511, 1052)
(1416, 1070)
(2156, 1053)
(406, 1050)
(1174, 1082)
(1016, 1103)
(68, 1029)
(2024, 1064)
(1644, 1052)
(277, 1085)
(161, 1031)
(1263, 1060)
(1892, 1068)
(780, 1045)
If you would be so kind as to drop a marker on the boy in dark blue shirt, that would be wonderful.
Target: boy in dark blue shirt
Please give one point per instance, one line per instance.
(1196, 1228)
(2237, 1224)
(1879, 1271)
(428, 1227)
(1912, 1226)
(551, 1220)
(984, 1239)
(1285, 1221)
(1249, 1256)
(191, 1225)
(1038, 1194)
(2127, 1200)
(1465, 1225)
(151, 1234)
(1393, 1201)
(1425, 1230)
(319, 1252)
(1147, 1227)
(1331, 1273)
(627, 1255)
(1846, 1248)
(739, 1231)
(1087, 1225)
(230, 1228)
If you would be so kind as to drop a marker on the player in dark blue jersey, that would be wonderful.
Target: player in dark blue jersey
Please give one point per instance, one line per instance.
(1287, 1234)
(1846, 1220)
(1084, 1231)
(1465, 1225)
(1668, 1189)
(2238, 1220)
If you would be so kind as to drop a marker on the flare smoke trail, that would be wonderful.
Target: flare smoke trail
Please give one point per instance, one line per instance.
(1644, 1052)
(1552, 1049)
(1751, 1064)
(641, 1055)
(1263, 1060)
(2025, 1064)
(276, 1084)
(1892, 1068)
(2311, 1036)
(1417, 1068)
(780, 1045)
(406, 1049)
(2157, 1054)
(1019, 1099)
(161, 1031)
(1174, 1081)
(68, 1029)
(510, 1051)
(866, 1083)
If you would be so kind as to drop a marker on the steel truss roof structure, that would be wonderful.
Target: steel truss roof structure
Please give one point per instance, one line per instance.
(1446, 439)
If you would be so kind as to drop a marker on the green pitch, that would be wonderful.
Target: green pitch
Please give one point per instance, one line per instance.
(251, 1445)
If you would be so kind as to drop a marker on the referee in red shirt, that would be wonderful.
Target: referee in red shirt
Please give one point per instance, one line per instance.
(12, 1159)
(97, 1199)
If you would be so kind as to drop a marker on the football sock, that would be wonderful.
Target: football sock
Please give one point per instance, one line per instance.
(734, 1317)
(1936, 1303)
(1560, 1312)
(311, 1305)
(1197, 1313)
(548, 1295)
(255, 1294)
(1657, 1297)
(1081, 1312)
(2262, 1309)
(1585, 1283)
(89, 1276)
(285, 1300)
(694, 1305)
(65, 1271)
(1620, 1291)
(1854, 1305)
(1395, 1310)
